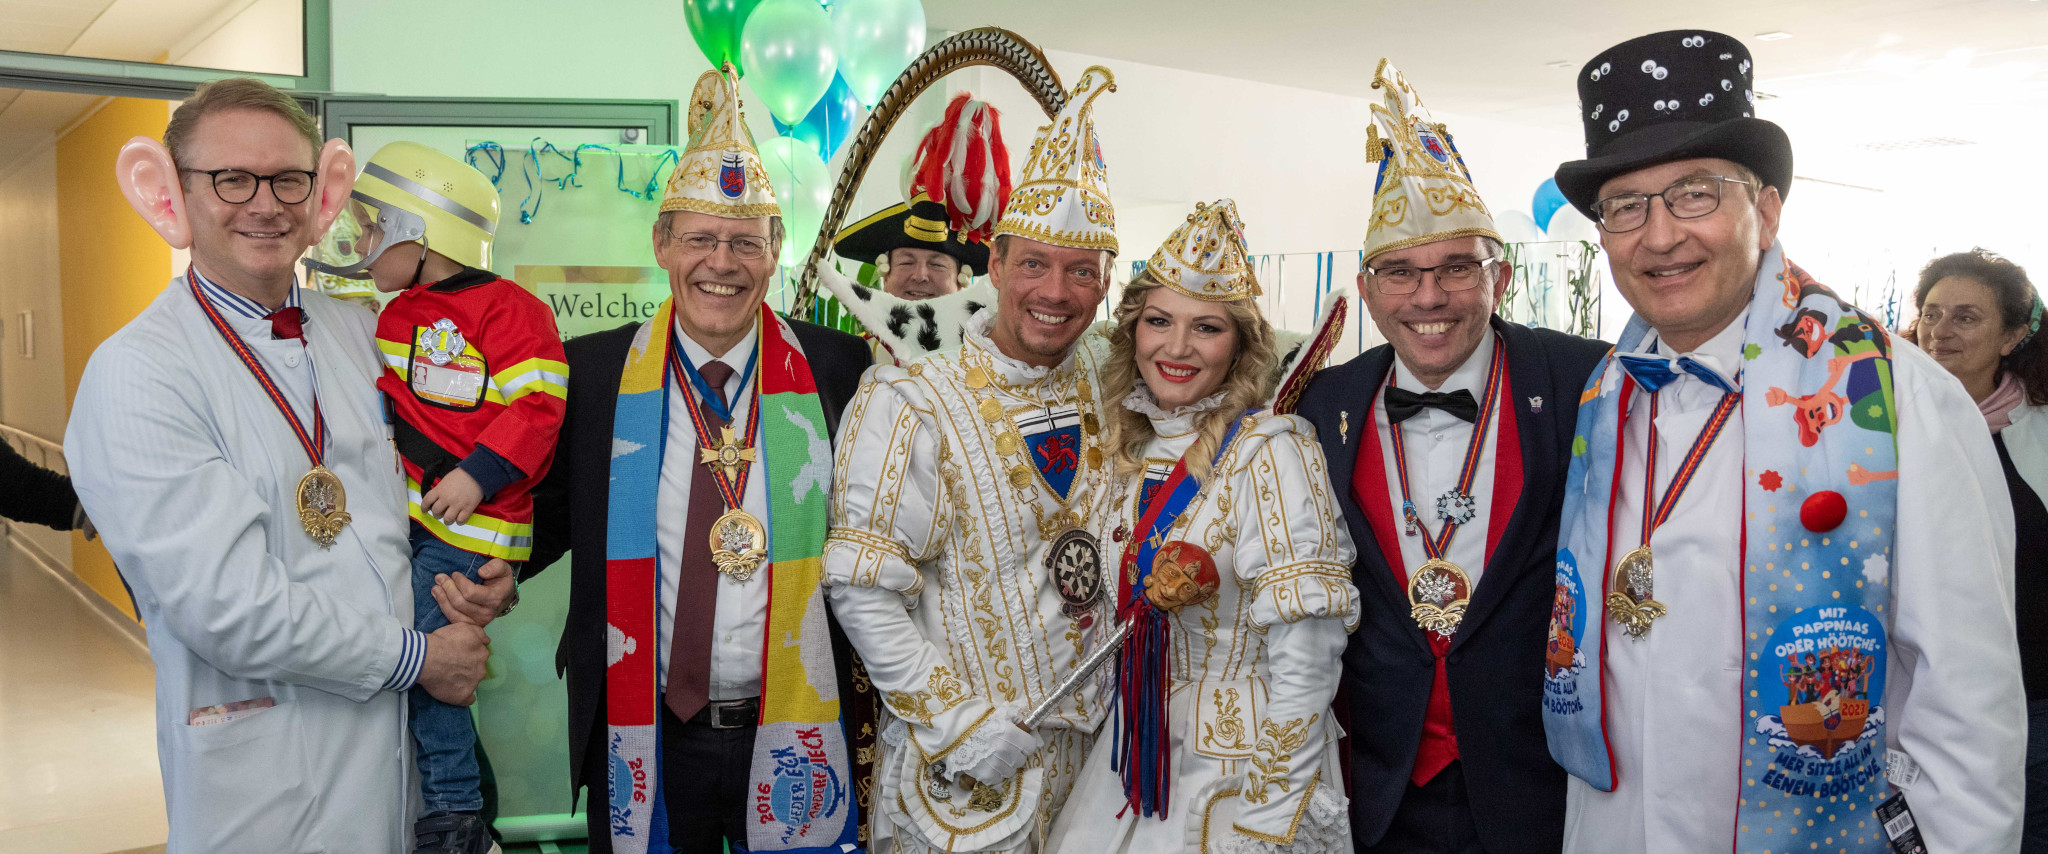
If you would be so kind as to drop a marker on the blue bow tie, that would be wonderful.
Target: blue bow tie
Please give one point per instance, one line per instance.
(1656, 372)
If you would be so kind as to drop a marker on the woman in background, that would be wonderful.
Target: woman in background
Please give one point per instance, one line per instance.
(1980, 318)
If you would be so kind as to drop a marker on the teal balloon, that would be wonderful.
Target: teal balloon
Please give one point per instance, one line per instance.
(830, 122)
(716, 25)
(877, 39)
(803, 187)
(790, 58)
(1546, 202)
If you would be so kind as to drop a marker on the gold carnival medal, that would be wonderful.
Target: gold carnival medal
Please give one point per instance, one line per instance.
(323, 505)
(1631, 595)
(728, 454)
(321, 500)
(1439, 590)
(1631, 591)
(739, 542)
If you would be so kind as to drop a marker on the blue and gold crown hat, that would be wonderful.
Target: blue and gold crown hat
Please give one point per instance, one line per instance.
(720, 173)
(1423, 192)
(1205, 257)
(1062, 197)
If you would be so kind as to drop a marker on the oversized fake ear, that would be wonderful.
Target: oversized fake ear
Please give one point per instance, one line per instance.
(150, 181)
(337, 178)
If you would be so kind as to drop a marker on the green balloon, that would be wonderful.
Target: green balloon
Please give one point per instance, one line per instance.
(788, 46)
(876, 40)
(716, 25)
(803, 187)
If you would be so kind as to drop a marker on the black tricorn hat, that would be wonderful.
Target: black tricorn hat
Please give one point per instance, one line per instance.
(1671, 96)
(918, 224)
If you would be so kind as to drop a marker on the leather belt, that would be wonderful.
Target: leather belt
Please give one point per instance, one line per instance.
(729, 714)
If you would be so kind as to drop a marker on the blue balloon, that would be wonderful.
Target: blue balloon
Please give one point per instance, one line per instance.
(1548, 199)
(829, 123)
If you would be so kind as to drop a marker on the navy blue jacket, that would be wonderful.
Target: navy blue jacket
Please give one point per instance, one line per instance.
(1495, 662)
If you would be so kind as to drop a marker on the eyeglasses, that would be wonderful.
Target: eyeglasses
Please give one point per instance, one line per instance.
(745, 247)
(1690, 198)
(237, 186)
(1450, 276)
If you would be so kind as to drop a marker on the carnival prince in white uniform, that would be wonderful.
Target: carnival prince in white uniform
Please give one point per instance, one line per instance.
(960, 560)
(1785, 575)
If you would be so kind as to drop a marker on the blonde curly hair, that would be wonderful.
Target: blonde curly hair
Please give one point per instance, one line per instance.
(1249, 383)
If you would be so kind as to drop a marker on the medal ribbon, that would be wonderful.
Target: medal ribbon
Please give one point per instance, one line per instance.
(1438, 545)
(314, 441)
(1654, 514)
(733, 488)
(1142, 753)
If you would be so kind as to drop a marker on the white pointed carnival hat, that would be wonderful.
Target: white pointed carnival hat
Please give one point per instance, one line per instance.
(720, 173)
(1062, 196)
(1205, 256)
(1423, 193)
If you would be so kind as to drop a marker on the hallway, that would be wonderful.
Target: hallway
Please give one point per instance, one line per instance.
(77, 730)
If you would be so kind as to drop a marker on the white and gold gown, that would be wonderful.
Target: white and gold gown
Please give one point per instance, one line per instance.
(1253, 668)
(936, 568)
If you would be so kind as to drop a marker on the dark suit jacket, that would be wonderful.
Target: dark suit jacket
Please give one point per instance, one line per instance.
(571, 503)
(1495, 662)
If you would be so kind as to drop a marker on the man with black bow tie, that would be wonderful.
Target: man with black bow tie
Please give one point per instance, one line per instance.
(1447, 448)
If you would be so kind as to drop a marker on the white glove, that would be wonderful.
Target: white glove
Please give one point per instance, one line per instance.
(993, 753)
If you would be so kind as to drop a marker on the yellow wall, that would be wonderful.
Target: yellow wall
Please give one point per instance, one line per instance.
(110, 266)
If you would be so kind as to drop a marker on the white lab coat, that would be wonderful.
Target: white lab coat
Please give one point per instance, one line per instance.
(189, 472)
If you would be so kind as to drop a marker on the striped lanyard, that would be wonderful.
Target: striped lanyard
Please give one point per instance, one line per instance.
(698, 391)
(314, 441)
(1657, 511)
(1435, 547)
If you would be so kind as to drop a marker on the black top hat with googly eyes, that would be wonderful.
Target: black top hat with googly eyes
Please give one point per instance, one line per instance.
(1671, 96)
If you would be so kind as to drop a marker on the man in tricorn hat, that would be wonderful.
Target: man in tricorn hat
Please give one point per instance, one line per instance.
(937, 242)
(1761, 472)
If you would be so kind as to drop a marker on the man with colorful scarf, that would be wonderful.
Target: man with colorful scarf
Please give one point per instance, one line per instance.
(1785, 574)
(1447, 449)
(711, 700)
(960, 559)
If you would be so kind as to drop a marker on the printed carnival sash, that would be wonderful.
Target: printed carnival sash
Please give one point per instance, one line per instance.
(1819, 495)
(801, 780)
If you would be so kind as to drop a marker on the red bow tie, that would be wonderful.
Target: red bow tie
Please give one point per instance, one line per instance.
(288, 322)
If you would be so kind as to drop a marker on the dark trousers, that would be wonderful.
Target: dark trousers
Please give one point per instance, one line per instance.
(2034, 838)
(1434, 818)
(704, 774)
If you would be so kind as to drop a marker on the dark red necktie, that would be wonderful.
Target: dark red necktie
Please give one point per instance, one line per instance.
(287, 323)
(689, 649)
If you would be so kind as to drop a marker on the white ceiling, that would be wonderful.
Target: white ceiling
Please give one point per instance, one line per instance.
(129, 30)
(1854, 73)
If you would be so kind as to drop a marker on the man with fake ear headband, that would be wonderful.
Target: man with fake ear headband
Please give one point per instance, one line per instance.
(230, 445)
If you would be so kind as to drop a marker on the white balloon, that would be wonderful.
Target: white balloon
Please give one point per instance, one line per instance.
(876, 40)
(1569, 224)
(1516, 227)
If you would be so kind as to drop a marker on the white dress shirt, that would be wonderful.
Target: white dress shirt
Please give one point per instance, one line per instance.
(1673, 698)
(1435, 442)
(741, 614)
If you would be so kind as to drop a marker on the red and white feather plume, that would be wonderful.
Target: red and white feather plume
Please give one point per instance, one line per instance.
(962, 164)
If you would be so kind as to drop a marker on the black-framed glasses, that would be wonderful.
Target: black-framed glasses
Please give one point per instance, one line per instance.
(238, 186)
(745, 247)
(1689, 198)
(1450, 276)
